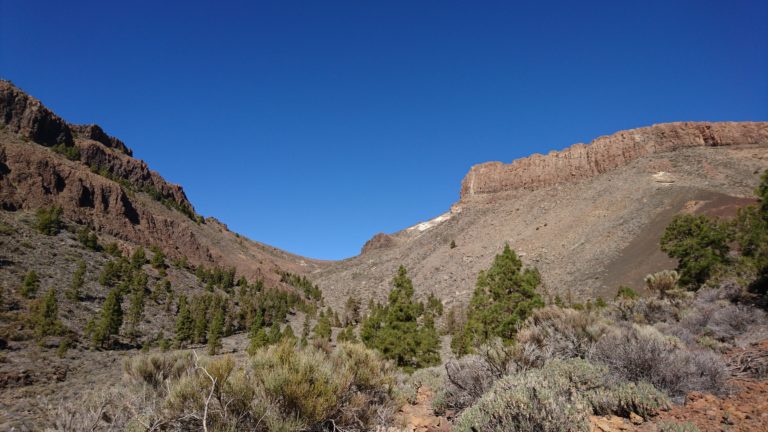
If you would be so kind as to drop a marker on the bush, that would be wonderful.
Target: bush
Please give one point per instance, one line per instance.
(558, 397)
(554, 332)
(345, 388)
(348, 389)
(30, 284)
(48, 220)
(70, 152)
(642, 354)
(88, 239)
(662, 283)
(155, 369)
(408, 387)
(467, 380)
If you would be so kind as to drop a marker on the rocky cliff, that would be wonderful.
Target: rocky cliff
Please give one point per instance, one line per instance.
(582, 161)
(93, 178)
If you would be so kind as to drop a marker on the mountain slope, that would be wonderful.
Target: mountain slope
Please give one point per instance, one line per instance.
(114, 193)
(589, 217)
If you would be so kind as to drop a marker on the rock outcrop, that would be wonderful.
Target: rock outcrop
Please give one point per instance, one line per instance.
(96, 133)
(582, 161)
(378, 241)
(26, 116)
(107, 189)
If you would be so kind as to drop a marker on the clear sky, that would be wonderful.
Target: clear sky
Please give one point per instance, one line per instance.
(313, 125)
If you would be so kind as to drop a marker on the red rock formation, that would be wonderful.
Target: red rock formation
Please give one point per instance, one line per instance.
(113, 192)
(582, 161)
(378, 241)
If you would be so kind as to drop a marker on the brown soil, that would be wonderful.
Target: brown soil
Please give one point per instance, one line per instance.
(419, 417)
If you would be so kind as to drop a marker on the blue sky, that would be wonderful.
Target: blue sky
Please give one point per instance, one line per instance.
(313, 125)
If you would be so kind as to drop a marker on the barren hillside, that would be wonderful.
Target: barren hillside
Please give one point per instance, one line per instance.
(589, 217)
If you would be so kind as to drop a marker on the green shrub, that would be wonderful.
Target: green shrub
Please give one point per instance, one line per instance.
(158, 258)
(626, 293)
(139, 258)
(88, 239)
(30, 284)
(347, 386)
(69, 151)
(48, 220)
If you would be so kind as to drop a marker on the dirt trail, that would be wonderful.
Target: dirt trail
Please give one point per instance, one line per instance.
(419, 417)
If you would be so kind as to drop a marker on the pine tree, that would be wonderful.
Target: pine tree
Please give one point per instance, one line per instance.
(110, 321)
(215, 331)
(30, 284)
(699, 244)
(88, 238)
(48, 220)
(139, 258)
(200, 318)
(347, 335)
(47, 316)
(352, 310)
(504, 296)
(398, 331)
(434, 306)
(184, 323)
(135, 313)
(322, 330)
(305, 329)
(158, 258)
(78, 280)
(258, 338)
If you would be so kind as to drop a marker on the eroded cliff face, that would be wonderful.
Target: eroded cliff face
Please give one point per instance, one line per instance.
(29, 119)
(582, 161)
(112, 192)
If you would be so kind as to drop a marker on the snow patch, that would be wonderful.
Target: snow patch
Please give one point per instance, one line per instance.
(663, 177)
(431, 223)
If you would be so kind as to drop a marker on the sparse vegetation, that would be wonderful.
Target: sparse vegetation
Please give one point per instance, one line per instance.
(48, 220)
(46, 316)
(88, 238)
(30, 284)
(78, 280)
(71, 152)
(311, 291)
